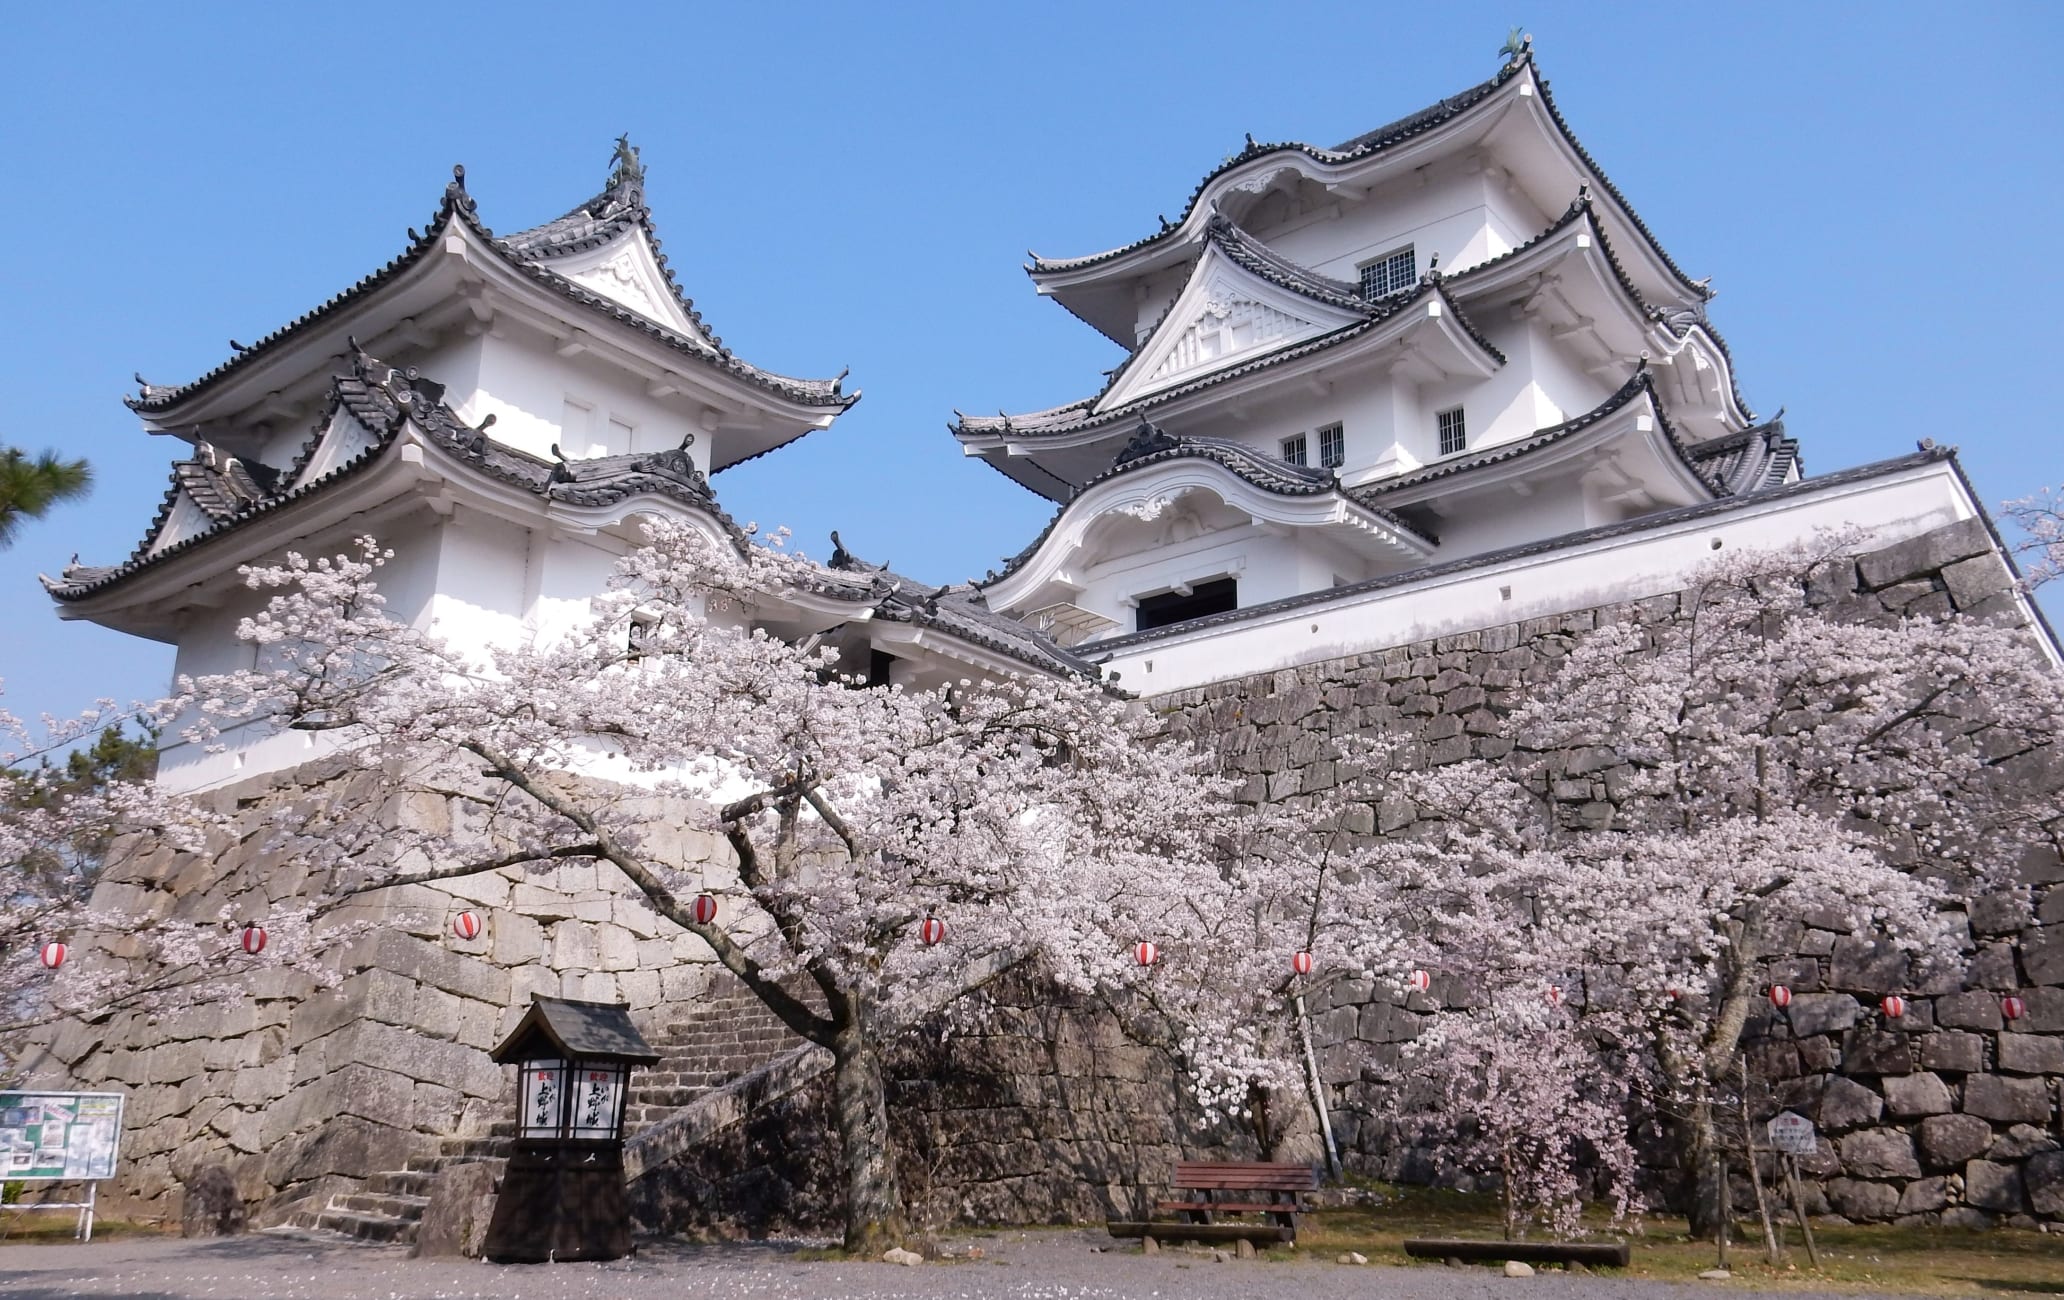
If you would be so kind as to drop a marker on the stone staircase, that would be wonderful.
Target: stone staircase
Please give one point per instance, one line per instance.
(727, 1035)
(390, 1205)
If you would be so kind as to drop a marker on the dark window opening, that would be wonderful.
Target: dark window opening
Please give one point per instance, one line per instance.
(1219, 596)
(878, 662)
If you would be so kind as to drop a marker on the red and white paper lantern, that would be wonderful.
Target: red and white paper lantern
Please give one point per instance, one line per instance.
(1780, 996)
(1146, 952)
(704, 909)
(932, 930)
(53, 955)
(1420, 981)
(1893, 1006)
(254, 938)
(466, 925)
(2013, 1008)
(1302, 963)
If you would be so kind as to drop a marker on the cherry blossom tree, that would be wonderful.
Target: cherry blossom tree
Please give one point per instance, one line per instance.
(69, 790)
(2041, 518)
(1035, 819)
(1687, 790)
(1518, 1092)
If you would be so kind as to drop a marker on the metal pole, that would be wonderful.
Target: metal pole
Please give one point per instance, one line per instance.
(1311, 1067)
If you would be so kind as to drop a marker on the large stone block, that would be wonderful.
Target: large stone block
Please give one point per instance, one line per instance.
(1971, 581)
(1874, 1051)
(2043, 1179)
(2007, 1101)
(1822, 1013)
(1955, 1053)
(1974, 1010)
(1924, 1196)
(2042, 954)
(455, 1221)
(1870, 966)
(2031, 1054)
(1917, 1094)
(1846, 1104)
(1928, 554)
(1950, 1140)
(1879, 1153)
(1863, 1201)
(1993, 1186)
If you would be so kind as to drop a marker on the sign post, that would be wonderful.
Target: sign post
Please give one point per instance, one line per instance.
(61, 1137)
(1792, 1135)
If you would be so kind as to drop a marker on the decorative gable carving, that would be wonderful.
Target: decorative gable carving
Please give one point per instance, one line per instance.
(1228, 325)
(1224, 315)
(626, 273)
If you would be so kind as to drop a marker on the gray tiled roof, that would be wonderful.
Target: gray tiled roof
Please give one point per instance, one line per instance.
(529, 252)
(1385, 137)
(570, 1027)
(960, 610)
(1641, 383)
(382, 399)
(1078, 416)
(1762, 457)
(1152, 445)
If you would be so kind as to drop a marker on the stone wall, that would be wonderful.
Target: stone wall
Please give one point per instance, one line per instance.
(303, 1092)
(1037, 1108)
(1023, 1106)
(1948, 1114)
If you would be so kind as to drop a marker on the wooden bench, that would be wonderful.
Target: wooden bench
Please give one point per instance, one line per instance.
(1205, 1189)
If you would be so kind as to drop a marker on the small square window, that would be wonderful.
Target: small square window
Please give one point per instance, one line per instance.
(640, 640)
(1293, 449)
(1454, 435)
(1332, 446)
(1389, 273)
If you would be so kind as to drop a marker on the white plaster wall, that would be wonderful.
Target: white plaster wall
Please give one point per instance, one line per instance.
(208, 644)
(526, 385)
(1891, 508)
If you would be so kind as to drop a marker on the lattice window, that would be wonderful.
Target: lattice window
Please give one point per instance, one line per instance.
(1293, 449)
(1390, 273)
(1454, 435)
(1332, 446)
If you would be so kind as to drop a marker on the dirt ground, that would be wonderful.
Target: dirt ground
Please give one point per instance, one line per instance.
(1055, 1265)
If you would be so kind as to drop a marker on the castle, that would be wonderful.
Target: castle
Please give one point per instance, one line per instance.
(1422, 399)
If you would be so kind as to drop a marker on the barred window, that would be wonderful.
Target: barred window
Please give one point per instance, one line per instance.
(1293, 449)
(1332, 446)
(1454, 435)
(1389, 273)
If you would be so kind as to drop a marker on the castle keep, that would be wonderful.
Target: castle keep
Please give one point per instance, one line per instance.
(1399, 418)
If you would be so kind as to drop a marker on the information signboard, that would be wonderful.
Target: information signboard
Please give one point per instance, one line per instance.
(71, 1136)
(1792, 1133)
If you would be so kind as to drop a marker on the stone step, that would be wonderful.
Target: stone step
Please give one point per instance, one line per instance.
(403, 1182)
(436, 1164)
(477, 1147)
(390, 1205)
(367, 1227)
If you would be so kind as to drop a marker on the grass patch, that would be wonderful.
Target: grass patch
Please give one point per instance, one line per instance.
(1923, 1261)
(50, 1227)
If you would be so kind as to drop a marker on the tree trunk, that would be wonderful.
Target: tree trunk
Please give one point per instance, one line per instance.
(874, 1202)
(1698, 1144)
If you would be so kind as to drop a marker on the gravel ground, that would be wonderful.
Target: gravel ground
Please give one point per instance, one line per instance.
(1014, 1266)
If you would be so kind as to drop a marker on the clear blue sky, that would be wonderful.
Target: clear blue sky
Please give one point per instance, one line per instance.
(1872, 187)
